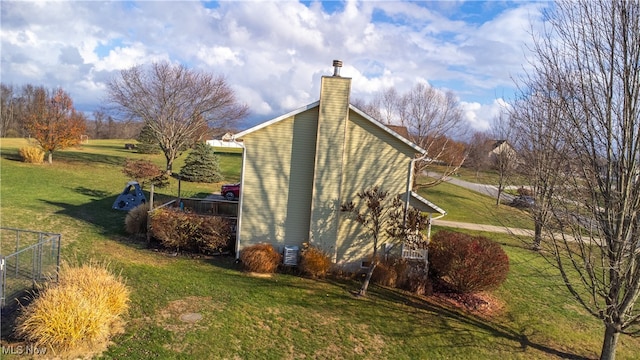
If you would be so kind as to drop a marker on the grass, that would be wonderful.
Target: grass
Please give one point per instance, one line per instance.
(285, 316)
(464, 205)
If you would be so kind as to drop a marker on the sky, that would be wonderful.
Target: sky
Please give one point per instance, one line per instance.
(273, 53)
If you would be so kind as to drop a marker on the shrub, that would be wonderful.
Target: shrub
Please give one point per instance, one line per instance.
(191, 232)
(145, 172)
(79, 314)
(416, 279)
(201, 165)
(260, 258)
(314, 262)
(467, 263)
(32, 154)
(384, 274)
(136, 220)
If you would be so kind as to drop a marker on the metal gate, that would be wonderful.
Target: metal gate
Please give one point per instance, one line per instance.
(35, 258)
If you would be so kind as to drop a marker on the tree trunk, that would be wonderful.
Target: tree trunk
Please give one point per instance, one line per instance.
(537, 237)
(50, 157)
(611, 335)
(367, 279)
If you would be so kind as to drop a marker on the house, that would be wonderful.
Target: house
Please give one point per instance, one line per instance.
(500, 148)
(300, 167)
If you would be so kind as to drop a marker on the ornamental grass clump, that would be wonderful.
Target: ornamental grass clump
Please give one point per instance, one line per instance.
(314, 262)
(260, 258)
(135, 222)
(468, 264)
(32, 154)
(79, 314)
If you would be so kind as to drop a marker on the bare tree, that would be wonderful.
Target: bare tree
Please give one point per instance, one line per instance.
(176, 103)
(544, 164)
(587, 65)
(432, 117)
(376, 214)
(503, 157)
(478, 150)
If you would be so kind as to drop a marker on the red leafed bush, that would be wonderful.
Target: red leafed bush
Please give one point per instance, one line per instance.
(190, 232)
(467, 263)
(260, 258)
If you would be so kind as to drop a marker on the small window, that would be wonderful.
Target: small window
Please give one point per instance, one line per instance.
(365, 264)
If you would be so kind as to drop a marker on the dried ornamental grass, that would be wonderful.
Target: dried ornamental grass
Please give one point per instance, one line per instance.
(79, 314)
(315, 262)
(136, 220)
(260, 258)
(32, 154)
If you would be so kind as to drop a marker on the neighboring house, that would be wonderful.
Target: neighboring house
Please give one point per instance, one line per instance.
(300, 167)
(499, 148)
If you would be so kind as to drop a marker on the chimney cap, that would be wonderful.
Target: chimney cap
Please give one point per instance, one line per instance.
(337, 64)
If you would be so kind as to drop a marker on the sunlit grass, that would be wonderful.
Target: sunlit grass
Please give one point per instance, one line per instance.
(286, 316)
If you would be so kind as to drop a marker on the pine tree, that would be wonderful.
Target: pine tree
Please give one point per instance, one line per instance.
(201, 165)
(147, 144)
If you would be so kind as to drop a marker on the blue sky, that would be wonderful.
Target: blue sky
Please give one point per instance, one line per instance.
(273, 53)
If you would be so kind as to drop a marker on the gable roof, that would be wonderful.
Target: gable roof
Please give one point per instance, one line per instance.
(391, 129)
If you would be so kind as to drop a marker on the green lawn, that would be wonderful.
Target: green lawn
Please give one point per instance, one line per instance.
(464, 205)
(284, 316)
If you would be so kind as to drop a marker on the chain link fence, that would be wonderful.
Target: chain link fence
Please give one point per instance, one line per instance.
(34, 257)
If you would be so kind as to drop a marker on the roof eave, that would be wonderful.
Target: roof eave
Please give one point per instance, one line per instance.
(275, 120)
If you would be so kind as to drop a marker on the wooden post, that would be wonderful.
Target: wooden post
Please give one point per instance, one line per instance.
(149, 215)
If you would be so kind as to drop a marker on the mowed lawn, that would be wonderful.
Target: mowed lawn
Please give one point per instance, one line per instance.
(283, 316)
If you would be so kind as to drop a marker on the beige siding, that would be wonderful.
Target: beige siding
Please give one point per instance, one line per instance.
(332, 118)
(373, 157)
(278, 178)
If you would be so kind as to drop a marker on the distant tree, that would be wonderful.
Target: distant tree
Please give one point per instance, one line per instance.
(145, 172)
(147, 143)
(478, 150)
(201, 165)
(176, 103)
(504, 159)
(7, 111)
(432, 117)
(53, 122)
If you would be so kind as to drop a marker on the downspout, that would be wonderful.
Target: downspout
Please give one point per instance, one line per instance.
(240, 199)
(406, 203)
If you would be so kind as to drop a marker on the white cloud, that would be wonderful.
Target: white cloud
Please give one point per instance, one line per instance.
(272, 52)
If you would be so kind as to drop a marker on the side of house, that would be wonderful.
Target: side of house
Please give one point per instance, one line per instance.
(299, 168)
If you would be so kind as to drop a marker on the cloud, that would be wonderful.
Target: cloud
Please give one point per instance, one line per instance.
(273, 52)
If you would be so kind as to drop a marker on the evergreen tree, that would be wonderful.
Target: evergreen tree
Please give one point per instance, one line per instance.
(147, 143)
(201, 165)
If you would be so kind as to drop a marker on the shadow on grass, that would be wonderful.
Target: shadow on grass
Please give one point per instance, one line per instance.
(82, 157)
(448, 320)
(96, 212)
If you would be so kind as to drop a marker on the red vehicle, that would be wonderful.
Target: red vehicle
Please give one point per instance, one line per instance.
(230, 191)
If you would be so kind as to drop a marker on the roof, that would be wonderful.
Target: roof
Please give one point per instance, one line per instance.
(393, 130)
(424, 205)
(401, 130)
